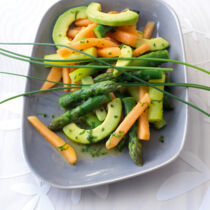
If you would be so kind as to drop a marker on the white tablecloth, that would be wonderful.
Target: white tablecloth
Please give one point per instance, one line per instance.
(182, 185)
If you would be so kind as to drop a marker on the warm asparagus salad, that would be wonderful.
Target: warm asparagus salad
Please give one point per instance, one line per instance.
(115, 88)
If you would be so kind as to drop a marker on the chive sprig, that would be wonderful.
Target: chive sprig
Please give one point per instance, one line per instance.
(107, 65)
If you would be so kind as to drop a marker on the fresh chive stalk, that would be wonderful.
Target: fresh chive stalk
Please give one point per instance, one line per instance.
(36, 91)
(34, 78)
(87, 66)
(110, 59)
(115, 67)
(170, 84)
(173, 84)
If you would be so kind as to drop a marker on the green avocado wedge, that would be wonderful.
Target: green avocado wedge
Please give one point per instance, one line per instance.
(126, 51)
(91, 51)
(83, 136)
(123, 18)
(155, 44)
(156, 106)
(64, 21)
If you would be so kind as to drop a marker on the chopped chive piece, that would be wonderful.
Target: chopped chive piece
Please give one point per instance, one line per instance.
(42, 114)
(63, 147)
(82, 132)
(161, 139)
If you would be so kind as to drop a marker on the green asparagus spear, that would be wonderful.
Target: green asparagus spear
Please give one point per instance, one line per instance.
(160, 124)
(71, 99)
(129, 103)
(157, 54)
(101, 112)
(72, 115)
(122, 144)
(104, 77)
(143, 74)
(134, 144)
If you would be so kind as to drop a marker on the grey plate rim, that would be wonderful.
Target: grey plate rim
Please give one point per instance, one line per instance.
(127, 176)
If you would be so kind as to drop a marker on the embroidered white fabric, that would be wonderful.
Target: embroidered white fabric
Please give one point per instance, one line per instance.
(181, 185)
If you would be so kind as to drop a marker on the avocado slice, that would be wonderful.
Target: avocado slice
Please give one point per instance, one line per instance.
(155, 44)
(83, 136)
(64, 21)
(87, 80)
(156, 106)
(126, 51)
(123, 18)
(101, 30)
(91, 51)
(80, 73)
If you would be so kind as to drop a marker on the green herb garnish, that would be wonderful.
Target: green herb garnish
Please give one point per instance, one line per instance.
(118, 135)
(90, 137)
(142, 103)
(42, 114)
(82, 132)
(63, 147)
(161, 139)
(94, 151)
(85, 148)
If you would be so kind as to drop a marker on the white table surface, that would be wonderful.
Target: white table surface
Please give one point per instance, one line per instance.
(182, 185)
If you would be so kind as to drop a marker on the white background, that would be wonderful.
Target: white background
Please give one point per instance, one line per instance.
(182, 185)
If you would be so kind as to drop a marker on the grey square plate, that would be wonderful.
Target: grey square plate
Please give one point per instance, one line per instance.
(46, 162)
